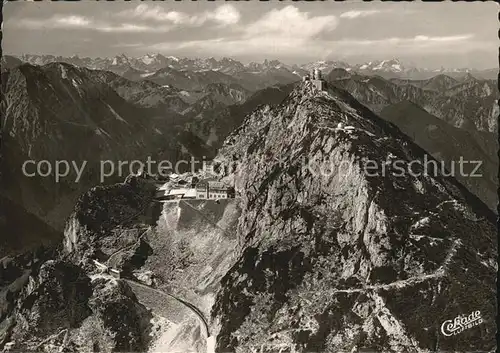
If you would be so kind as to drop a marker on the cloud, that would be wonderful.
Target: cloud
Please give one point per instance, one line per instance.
(80, 22)
(131, 28)
(417, 40)
(283, 32)
(420, 45)
(353, 14)
(359, 13)
(223, 15)
(74, 21)
(71, 21)
(421, 38)
(266, 46)
(128, 45)
(291, 22)
(292, 46)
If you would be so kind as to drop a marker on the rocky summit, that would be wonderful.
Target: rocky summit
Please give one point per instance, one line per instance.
(342, 260)
(316, 253)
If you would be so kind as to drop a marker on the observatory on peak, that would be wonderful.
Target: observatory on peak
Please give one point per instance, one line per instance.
(317, 79)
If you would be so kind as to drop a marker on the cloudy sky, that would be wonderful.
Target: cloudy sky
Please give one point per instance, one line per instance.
(425, 34)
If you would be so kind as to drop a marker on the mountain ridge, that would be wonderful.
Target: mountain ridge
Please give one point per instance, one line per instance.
(389, 68)
(349, 262)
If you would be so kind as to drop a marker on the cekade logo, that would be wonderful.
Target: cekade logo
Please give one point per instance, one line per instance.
(461, 323)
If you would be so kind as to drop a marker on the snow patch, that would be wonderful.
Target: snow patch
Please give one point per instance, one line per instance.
(101, 132)
(147, 59)
(64, 73)
(486, 89)
(117, 116)
(420, 223)
(396, 67)
(212, 137)
(75, 84)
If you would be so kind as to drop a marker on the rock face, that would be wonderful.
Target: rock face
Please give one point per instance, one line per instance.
(52, 299)
(60, 307)
(190, 80)
(309, 257)
(180, 249)
(338, 258)
(448, 118)
(100, 211)
(57, 299)
(9, 62)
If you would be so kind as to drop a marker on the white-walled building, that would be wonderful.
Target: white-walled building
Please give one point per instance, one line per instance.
(165, 192)
(207, 189)
(317, 80)
(212, 190)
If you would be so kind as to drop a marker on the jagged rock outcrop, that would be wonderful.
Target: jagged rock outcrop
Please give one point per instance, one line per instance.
(60, 308)
(439, 83)
(227, 94)
(178, 249)
(339, 259)
(100, 215)
(9, 62)
(56, 299)
(190, 80)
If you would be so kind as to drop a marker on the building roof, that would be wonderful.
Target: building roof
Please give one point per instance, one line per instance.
(163, 187)
(190, 193)
(183, 191)
(205, 181)
(217, 185)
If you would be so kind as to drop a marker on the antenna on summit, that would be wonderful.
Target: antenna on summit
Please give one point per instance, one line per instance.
(317, 80)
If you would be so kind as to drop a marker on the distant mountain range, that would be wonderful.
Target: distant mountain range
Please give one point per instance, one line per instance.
(148, 64)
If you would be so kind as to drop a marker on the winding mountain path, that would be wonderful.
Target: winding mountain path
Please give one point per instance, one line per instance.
(191, 306)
